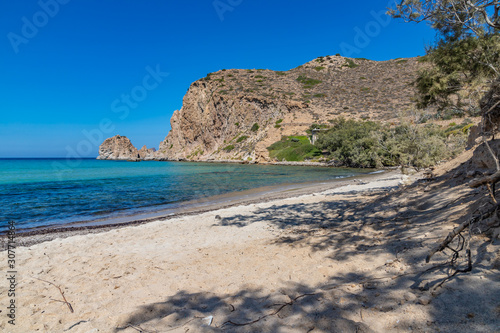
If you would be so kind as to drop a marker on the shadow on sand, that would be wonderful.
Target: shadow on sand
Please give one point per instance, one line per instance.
(405, 223)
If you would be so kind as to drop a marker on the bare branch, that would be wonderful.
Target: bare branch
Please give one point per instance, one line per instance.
(493, 179)
(60, 290)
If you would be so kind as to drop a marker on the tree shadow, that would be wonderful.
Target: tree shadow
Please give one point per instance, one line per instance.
(349, 303)
(404, 223)
(296, 308)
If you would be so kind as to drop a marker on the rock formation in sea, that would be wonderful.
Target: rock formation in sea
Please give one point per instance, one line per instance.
(120, 148)
(235, 114)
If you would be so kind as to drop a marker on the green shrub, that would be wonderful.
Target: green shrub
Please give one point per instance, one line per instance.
(237, 124)
(351, 63)
(279, 121)
(308, 82)
(351, 142)
(241, 138)
(293, 148)
(455, 128)
(319, 68)
(422, 59)
(370, 144)
(466, 128)
(228, 148)
(447, 114)
(255, 127)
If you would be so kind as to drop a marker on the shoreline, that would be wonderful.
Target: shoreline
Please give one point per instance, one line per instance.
(32, 236)
(348, 258)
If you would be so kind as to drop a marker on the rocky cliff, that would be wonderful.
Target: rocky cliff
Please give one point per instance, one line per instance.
(234, 115)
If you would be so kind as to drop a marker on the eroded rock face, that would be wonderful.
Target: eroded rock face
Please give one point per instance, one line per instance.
(146, 153)
(234, 115)
(216, 121)
(482, 159)
(118, 148)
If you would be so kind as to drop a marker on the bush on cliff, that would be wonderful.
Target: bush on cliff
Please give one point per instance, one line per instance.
(293, 148)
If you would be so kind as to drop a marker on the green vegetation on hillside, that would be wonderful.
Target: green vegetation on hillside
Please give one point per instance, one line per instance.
(351, 63)
(369, 144)
(293, 148)
(308, 82)
(228, 148)
(241, 138)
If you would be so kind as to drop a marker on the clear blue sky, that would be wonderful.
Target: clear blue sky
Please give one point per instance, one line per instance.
(66, 67)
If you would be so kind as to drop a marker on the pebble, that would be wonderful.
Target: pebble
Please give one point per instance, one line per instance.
(410, 297)
(424, 300)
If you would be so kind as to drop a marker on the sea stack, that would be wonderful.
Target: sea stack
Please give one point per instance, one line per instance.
(118, 148)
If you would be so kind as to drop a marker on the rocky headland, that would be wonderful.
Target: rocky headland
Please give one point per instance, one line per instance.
(235, 114)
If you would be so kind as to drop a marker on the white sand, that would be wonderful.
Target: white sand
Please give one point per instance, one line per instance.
(237, 264)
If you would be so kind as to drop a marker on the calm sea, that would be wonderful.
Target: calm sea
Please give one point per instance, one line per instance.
(51, 192)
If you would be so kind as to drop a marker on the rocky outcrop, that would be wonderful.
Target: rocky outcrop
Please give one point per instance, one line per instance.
(118, 148)
(146, 153)
(234, 115)
(221, 112)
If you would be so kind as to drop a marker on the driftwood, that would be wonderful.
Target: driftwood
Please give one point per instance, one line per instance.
(444, 244)
(489, 180)
(62, 294)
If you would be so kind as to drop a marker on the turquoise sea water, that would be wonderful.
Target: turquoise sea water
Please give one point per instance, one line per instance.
(49, 192)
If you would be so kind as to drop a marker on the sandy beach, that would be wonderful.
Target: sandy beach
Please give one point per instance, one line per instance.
(346, 259)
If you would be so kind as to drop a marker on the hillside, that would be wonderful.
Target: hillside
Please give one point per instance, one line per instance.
(234, 115)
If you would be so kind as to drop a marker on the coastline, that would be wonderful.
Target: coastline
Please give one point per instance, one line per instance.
(348, 258)
(28, 237)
